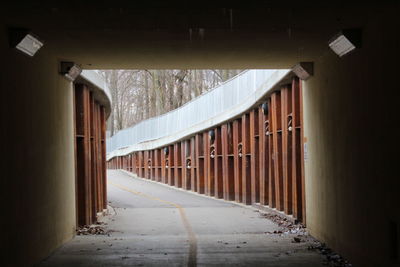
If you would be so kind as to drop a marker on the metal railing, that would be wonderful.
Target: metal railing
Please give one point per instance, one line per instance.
(206, 106)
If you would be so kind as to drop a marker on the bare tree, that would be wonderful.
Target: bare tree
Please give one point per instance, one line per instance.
(141, 94)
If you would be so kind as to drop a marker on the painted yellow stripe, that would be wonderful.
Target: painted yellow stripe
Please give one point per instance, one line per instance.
(192, 237)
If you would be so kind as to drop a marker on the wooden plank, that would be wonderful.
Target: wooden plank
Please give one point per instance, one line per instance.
(193, 170)
(145, 164)
(82, 112)
(163, 166)
(271, 164)
(225, 172)
(238, 154)
(140, 169)
(206, 145)
(297, 153)
(302, 216)
(230, 168)
(184, 164)
(134, 162)
(156, 164)
(189, 164)
(171, 168)
(286, 106)
(97, 175)
(254, 157)
(160, 165)
(277, 146)
(103, 154)
(178, 164)
(218, 181)
(200, 163)
(263, 156)
(246, 162)
(153, 164)
(93, 151)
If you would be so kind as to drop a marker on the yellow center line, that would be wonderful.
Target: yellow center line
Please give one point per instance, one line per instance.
(192, 237)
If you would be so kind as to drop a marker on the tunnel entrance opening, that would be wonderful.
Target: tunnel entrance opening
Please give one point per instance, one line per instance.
(255, 158)
(252, 158)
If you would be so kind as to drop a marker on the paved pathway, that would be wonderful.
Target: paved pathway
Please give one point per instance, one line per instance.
(155, 225)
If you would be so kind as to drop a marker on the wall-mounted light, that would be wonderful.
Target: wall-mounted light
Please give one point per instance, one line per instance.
(166, 150)
(304, 70)
(211, 135)
(24, 41)
(70, 70)
(346, 41)
(264, 107)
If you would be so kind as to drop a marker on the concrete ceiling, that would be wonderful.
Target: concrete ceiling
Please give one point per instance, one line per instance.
(132, 38)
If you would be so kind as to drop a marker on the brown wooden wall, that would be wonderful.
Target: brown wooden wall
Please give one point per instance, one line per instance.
(256, 158)
(90, 156)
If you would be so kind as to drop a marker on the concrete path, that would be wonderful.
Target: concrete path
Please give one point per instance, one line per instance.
(152, 224)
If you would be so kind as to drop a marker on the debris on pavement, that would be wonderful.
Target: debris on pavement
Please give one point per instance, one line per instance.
(331, 258)
(94, 229)
(288, 227)
(295, 227)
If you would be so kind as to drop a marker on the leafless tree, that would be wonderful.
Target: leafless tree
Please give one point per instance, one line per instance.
(141, 94)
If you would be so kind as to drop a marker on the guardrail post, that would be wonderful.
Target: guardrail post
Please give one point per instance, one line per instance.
(218, 187)
(254, 150)
(83, 169)
(277, 148)
(171, 168)
(246, 162)
(193, 170)
(238, 155)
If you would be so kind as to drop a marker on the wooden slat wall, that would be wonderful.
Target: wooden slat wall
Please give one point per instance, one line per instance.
(90, 156)
(256, 158)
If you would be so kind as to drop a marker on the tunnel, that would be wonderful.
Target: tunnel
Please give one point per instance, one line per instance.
(53, 125)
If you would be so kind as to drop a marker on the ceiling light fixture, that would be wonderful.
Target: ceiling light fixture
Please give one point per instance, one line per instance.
(304, 70)
(346, 41)
(70, 70)
(24, 41)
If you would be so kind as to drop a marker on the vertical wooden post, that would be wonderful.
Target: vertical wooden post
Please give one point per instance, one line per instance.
(200, 163)
(206, 144)
(193, 170)
(160, 164)
(83, 157)
(103, 155)
(246, 162)
(163, 166)
(171, 169)
(218, 184)
(139, 160)
(178, 164)
(277, 148)
(183, 164)
(156, 164)
(238, 155)
(146, 164)
(225, 159)
(263, 128)
(286, 105)
(187, 164)
(230, 168)
(254, 150)
(297, 153)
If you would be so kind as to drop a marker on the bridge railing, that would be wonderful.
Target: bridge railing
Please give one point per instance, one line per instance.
(206, 106)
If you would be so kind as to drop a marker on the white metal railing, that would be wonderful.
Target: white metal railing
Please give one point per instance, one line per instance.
(208, 105)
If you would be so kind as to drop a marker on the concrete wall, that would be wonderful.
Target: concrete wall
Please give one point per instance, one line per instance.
(351, 121)
(37, 190)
